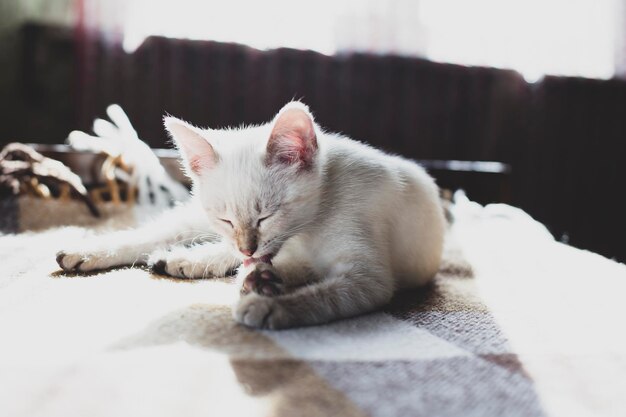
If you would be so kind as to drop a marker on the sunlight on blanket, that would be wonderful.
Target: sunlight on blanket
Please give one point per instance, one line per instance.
(93, 309)
(570, 344)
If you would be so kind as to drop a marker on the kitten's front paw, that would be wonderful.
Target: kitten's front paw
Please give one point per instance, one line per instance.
(263, 280)
(180, 266)
(261, 312)
(84, 261)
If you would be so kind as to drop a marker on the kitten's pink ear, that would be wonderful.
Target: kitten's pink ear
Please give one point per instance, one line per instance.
(293, 139)
(198, 154)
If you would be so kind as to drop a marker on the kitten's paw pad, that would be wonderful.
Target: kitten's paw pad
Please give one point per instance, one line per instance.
(263, 281)
(260, 312)
(159, 267)
(82, 262)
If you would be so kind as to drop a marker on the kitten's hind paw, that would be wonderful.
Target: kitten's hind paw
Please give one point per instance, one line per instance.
(261, 312)
(263, 281)
(68, 262)
(85, 261)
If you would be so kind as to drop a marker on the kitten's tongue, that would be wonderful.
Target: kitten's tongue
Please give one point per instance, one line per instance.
(265, 259)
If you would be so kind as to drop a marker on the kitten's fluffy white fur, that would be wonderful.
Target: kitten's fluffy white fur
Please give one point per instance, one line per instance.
(326, 227)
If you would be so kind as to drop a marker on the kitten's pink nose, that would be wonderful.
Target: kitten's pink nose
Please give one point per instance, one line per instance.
(247, 252)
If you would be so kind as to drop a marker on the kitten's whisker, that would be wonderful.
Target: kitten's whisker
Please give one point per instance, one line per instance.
(209, 237)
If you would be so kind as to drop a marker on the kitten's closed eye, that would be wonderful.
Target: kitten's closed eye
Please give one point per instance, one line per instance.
(228, 222)
(258, 223)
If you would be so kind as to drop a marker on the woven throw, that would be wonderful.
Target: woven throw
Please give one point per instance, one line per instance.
(515, 324)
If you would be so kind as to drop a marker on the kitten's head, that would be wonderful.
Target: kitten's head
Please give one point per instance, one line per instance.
(258, 185)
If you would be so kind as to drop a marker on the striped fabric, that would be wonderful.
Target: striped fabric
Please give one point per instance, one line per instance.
(515, 324)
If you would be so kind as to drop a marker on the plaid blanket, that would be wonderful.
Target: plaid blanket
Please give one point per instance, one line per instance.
(515, 324)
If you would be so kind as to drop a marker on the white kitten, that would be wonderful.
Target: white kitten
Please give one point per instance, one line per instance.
(326, 227)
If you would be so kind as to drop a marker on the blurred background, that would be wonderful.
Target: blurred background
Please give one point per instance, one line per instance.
(536, 86)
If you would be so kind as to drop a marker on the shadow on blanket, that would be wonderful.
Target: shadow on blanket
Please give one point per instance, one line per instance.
(261, 366)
